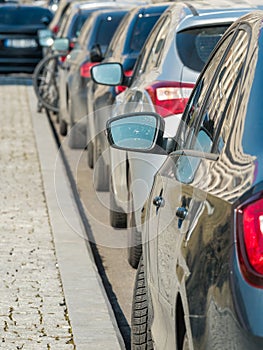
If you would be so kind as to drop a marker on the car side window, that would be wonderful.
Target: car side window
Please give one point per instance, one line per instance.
(152, 50)
(209, 122)
(116, 46)
(156, 51)
(190, 119)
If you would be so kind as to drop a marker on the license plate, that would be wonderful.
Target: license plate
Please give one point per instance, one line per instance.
(20, 43)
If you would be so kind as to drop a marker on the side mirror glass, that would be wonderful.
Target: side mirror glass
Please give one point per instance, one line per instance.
(141, 132)
(61, 44)
(107, 74)
(45, 37)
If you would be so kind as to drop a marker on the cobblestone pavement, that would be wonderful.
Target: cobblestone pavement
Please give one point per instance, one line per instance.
(33, 314)
(51, 294)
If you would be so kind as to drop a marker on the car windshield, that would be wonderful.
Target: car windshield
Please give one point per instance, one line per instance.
(195, 45)
(22, 16)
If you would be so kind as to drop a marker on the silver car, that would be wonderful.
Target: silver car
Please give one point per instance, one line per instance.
(163, 79)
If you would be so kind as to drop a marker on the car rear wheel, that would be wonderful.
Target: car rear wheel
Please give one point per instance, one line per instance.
(77, 132)
(134, 237)
(63, 127)
(90, 155)
(118, 219)
(101, 172)
(140, 329)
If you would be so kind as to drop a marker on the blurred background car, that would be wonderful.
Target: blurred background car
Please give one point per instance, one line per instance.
(199, 283)
(163, 78)
(74, 72)
(59, 45)
(125, 48)
(20, 50)
(56, 21)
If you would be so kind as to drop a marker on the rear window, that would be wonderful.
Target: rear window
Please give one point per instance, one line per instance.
(77, 24)
(23, 16)
(195, 45)
(141, 30)
(106, 30)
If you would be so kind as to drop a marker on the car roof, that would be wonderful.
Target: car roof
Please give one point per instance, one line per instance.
(95, 5)
(196, 13)
(129, 21)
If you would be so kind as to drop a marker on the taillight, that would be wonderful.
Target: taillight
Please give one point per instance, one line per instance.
(169, 97)
(121, 88)
(62, 58)
(250, 241)
(71, 45)
(85, 69)
(55, 29)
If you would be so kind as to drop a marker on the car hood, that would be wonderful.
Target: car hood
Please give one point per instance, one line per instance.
(20, 29)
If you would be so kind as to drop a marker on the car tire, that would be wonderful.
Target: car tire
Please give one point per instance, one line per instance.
(118, 219)
(101, 171)
(63, 127)
(77, 133)
(134, 247)
(134, 238)
(140, 329)
(90, 155)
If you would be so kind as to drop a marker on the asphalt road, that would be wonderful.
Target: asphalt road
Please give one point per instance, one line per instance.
(109, 245)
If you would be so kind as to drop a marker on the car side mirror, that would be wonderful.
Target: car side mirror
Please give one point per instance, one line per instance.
(61, 44)
(108, 74)
(45, 37)
(96, 54)
(139, 132)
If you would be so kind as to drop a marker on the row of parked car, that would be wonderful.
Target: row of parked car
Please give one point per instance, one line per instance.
(166, 100)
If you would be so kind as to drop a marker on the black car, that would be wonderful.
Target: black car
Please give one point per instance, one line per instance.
(74, 74)
(124, 48)
(20, 50)
(199, 284)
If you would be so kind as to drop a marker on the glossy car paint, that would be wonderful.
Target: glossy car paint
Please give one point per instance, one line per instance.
(195, 262)
(71, 28)
(73, 105)
(166, 66)
(122, 49)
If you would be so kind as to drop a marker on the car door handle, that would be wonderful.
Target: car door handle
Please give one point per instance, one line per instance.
(159, 201)
(181, 213)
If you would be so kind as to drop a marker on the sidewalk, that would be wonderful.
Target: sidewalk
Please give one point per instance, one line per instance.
(51, 296)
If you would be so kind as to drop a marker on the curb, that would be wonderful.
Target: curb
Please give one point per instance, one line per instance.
(91, 316)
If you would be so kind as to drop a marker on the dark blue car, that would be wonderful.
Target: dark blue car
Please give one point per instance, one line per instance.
(199, 283)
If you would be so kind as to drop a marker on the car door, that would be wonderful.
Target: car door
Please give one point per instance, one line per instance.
(188, 208)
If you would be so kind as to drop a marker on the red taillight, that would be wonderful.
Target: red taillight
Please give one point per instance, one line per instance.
(85, 69)
(250, 241)
(62, 58)
(55, 29)
(169, 97)
(122, 88)
(71, 45)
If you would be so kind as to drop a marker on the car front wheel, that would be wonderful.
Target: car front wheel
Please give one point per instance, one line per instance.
(140, 330)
